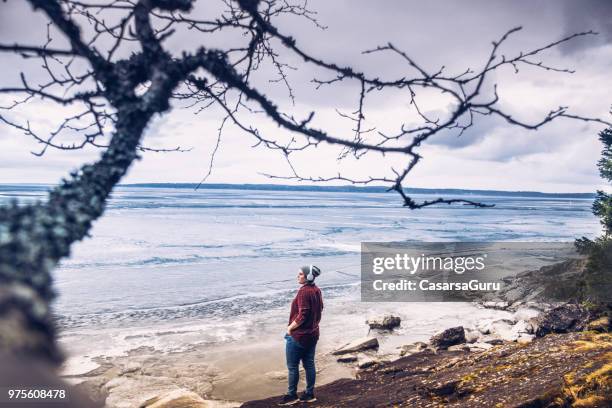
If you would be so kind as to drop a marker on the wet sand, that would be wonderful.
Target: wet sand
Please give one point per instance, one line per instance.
(239, 371)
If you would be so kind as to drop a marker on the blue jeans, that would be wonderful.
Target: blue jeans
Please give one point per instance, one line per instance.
(296, 352)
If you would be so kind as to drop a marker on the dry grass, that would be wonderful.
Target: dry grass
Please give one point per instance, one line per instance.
(592, 389)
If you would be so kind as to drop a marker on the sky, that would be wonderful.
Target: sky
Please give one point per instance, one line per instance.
(560, 157)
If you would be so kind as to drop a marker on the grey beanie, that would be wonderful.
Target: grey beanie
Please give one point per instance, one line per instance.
(315, 272)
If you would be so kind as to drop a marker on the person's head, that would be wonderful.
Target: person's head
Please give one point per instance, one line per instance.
(307, 274)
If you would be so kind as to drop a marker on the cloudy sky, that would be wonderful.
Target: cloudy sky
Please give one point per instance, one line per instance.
(491, 155)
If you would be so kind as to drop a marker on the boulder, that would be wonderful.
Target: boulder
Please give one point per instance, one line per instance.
(495, 326)
(562, 319)
(365, 361)
(501, 330)
(449, 337)
(365, 343)
(384, 323)
(347, 358)
(523, 327)
(526, 313)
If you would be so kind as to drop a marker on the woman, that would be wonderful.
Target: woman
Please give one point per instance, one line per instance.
(303, 334)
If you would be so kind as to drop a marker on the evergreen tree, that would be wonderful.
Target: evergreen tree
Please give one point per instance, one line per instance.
(597, 283)
(602, 207)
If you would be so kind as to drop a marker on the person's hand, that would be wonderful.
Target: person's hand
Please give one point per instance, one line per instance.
(289, 330)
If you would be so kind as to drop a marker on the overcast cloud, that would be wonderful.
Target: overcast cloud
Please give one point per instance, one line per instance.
(492, 155)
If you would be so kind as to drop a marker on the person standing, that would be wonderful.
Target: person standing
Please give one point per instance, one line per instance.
(302, 335)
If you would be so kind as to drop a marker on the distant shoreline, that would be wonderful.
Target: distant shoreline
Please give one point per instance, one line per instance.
(339, 189)
(360, 189)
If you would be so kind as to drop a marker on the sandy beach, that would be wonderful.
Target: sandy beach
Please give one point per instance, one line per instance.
(251, 366)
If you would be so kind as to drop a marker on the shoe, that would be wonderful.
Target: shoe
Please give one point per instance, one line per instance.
(307, 397)
(288, 400)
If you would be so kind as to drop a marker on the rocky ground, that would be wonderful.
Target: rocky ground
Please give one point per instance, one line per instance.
(556, 370)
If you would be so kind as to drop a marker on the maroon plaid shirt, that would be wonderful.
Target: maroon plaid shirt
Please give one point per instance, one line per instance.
(306, 311)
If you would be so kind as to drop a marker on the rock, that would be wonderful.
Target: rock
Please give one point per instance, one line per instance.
(599, 325)
(484, 328)
(449, 337)
(365, 343)
(459, 347)
(563, 319)
(496, 305)
(131, 367)
(471, 336)
(180, 398)
(515, 304)
(476, 347)
(532, 325)
(389, 358)
(523, 327)
(413, 348)
(541, 306)
(365, 361)
(384, 323)
(347, 358)
(526, 313)
(503, 329)
(495, 326)
(525, 338)
(494, 342)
